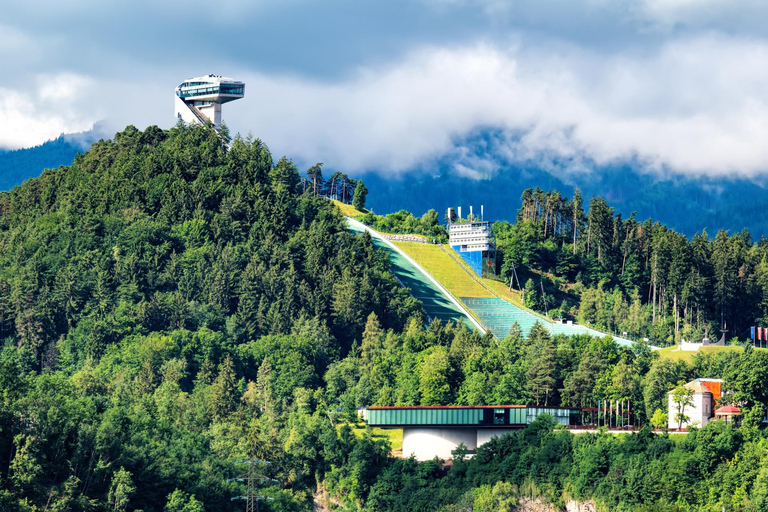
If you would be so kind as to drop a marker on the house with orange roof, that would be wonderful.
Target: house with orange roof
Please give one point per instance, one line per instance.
(706, 393)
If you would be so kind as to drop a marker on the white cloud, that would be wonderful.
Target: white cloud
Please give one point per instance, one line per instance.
(694, 106)
(59, 104)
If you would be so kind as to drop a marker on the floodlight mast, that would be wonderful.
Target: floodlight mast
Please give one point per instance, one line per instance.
(198, 100)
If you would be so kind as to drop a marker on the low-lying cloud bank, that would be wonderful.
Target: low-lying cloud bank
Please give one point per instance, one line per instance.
(52, 105)
(691, 105)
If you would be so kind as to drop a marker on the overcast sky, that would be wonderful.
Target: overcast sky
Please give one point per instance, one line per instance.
(676, 86)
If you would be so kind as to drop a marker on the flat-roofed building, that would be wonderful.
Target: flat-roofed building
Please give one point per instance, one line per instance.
(435, 431)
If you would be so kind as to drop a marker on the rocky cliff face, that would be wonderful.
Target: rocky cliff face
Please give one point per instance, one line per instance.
(575, 506)
(538, 505)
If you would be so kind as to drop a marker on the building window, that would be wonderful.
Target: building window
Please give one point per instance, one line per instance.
(498, 416)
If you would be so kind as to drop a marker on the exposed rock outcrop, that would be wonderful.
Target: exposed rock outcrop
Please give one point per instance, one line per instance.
(539, 505)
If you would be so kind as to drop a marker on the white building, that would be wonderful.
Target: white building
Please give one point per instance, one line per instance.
(470, 236)
(705, 394)
(199, 99)
(472, 240)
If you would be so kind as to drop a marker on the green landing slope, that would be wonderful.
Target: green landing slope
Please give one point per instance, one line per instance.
(498, 316)
(490, 301)
(421, 266)
(438, 303)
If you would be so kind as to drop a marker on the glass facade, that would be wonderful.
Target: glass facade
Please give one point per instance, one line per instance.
(204, 89)
(467, 416)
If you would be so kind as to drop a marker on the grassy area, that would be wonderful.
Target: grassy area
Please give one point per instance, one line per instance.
(348, 209)
(687, 355)
(394, 436)
(446, 271)
(502, 291)
(496, 287)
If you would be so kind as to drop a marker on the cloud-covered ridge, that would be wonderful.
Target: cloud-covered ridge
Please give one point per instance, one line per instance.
(687, 103)
(695, 106)
(55, 104)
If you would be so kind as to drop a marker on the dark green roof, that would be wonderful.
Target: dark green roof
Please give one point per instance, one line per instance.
(481, 416)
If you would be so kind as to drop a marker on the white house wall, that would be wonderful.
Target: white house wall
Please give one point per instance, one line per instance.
(428, 443)
(699, 413)
(486, 434)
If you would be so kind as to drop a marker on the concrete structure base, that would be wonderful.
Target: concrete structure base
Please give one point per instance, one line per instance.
(426, 443)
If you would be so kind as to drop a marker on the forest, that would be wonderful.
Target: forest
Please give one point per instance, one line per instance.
(170, 310)
(18, 165)
(635, 277)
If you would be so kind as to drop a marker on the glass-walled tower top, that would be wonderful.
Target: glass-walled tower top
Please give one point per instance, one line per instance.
(211, 87)
(199, 99)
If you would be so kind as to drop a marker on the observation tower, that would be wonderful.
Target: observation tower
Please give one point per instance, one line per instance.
(199, 100)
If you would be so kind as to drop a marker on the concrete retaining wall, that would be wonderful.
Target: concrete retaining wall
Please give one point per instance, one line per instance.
(426, 443)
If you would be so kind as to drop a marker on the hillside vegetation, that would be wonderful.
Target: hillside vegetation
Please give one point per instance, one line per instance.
(158, 299)
(624, 275)
(21, 164)
(170, 310)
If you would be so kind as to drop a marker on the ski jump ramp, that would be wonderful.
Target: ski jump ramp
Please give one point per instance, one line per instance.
(437, 301)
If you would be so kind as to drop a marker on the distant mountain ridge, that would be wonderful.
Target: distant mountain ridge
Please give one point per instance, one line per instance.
(20, 164)
(486, 167)
(688, 205)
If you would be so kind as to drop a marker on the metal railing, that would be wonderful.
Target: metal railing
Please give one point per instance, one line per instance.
(204, 120)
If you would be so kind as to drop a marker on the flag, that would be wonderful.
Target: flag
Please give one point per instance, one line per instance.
(759, 333)
(752, 330)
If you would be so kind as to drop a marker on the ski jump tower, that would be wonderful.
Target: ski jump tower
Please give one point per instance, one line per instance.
(199, 100)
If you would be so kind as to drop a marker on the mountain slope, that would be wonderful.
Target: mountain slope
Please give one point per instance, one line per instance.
(21, 164)
(156, 297)
(685, 204)
(476, 172)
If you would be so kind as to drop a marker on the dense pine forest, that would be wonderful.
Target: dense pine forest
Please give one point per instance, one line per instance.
(21, 164)
(170, 309)
(635, 277)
